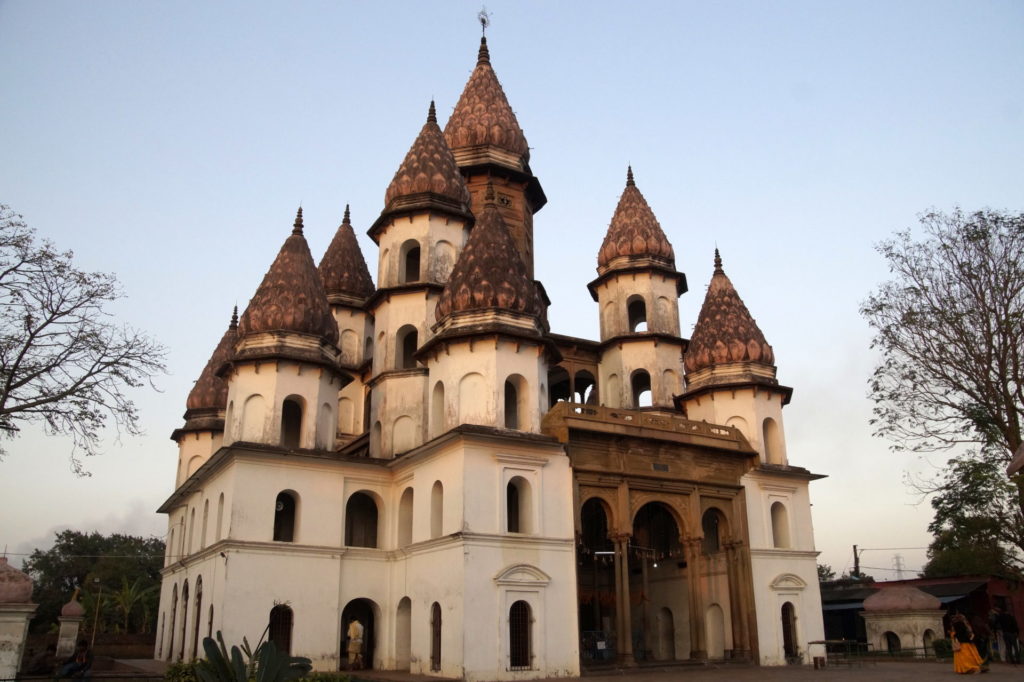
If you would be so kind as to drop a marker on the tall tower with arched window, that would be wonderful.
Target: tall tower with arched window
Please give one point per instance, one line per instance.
(348, 286)
(284, 374)
(730, 380)
(203, 431)
(421, 232)
(636, 292)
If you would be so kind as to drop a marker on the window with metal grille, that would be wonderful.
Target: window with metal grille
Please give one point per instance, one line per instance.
(435, 637)
(519, 629)
(280, 630)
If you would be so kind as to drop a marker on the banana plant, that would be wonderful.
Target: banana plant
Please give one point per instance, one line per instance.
(265, 664)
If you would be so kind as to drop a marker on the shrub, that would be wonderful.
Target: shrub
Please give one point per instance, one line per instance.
(181, 672)
(943, 648)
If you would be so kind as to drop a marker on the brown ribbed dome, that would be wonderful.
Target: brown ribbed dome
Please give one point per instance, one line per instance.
(343, 269)
(489, 273)
(725, 332)
(429, 167)
(210, 391)
(901, 599)
(483, 115)
(634, 231)
(291, 297)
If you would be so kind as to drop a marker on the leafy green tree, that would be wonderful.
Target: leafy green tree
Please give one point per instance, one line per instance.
(978, 525)
(950, 328)
(825, 573)
(129, 599)
(63, 362)
(79, 560)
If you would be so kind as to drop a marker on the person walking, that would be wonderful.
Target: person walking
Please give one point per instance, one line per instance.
(966, 660)
(1011, 635)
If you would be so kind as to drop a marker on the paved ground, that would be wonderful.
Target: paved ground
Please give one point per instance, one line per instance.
(869, 672)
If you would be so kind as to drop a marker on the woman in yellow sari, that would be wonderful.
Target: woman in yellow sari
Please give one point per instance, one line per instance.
(966, 660)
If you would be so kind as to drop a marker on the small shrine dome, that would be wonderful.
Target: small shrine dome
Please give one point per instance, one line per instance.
(901, 599)
(15, 586)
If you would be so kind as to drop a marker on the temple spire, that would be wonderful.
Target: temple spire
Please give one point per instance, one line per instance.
(629, 176)
(432, 113)
(718, 262)
(234, 319)
(297, 227)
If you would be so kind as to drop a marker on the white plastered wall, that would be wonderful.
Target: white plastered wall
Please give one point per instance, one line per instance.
(269, 383)
(783, 574)
(746, 409)
(472, 400)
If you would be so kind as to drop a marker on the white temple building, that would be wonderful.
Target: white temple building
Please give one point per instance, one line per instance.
(490, 499)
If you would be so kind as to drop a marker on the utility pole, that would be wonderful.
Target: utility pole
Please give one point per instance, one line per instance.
(856, 563)
(897, 561)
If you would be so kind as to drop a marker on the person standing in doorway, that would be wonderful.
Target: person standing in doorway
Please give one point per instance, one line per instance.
(355, 645)
(1011, 635)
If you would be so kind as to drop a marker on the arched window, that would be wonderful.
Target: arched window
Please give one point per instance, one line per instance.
(191, 529)
(711, 526)
(184, 619)
(406, 343)
(361, 521)
(405, 519)
(516, 392)
(584, 386)
(519, 506)
(637, 311)
(655, 527)
(790, 645)
(892, 641)
(375, 439)
(772, 442)
(174, 617)
(435, 637)
(285, 508)
(220, 517)
(280, 629)
(206, 520)
(199, 616)
(410, 262)
(558, 380)
(436, 510)
(641, 387)
(520, 625)
(780, 525)
(437, 410)
(291, 422)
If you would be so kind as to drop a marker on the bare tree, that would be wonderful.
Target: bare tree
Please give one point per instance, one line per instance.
(950, 326)
(64, 362)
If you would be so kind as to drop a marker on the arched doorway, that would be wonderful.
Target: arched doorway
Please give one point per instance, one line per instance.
(595, 577)
(790, 644)
(279, 630)
(435, 637)
(363, 610)
(652, 557)
(666, 648)
(715, 624)
(403, 634)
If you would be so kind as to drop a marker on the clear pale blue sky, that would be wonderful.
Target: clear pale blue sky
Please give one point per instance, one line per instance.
(170, 143)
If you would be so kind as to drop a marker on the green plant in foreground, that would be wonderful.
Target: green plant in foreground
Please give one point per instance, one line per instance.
(265, 664)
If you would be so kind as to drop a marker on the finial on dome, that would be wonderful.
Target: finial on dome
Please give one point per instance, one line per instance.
(629, 176)
(718, 262)
(432, 113)
(484, 17)
(297, 227)
(484, 56)
(234, 319)
(346, 220)
(489, 197)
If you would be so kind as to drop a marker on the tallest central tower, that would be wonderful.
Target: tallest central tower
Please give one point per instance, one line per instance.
(489, 147)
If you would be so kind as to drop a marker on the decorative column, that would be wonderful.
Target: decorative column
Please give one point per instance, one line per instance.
(71, 615)
(623, 613)
(16, 610)
(737, 601)
(698, 638)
